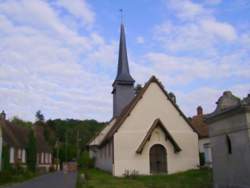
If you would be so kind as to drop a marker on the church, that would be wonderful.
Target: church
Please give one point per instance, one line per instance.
(148, 133)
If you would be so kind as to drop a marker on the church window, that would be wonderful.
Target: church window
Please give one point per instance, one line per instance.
(229, 144)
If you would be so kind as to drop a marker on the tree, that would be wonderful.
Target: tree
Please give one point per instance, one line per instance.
(39, 116)
(5, 158)
(31, 152)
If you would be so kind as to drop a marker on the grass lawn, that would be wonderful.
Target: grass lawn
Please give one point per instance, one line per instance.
(189, 179)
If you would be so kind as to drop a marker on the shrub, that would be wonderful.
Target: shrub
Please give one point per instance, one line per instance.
(85, 161)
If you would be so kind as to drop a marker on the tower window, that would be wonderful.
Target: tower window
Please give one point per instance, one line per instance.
(229, 144)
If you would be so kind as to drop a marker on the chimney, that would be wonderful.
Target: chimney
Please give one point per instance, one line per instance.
(2, 115)
(199, 111)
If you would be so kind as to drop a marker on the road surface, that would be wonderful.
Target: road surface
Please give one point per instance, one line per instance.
(51, 180)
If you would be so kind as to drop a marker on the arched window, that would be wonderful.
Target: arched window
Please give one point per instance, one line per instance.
(229, 144)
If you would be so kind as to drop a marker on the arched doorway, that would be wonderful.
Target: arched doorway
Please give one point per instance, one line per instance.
(158, 159)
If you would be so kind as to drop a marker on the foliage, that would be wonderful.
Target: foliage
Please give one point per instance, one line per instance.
(14, 175)
(65, 132)
(6, 158)
(39, 116)
(189, 179)
(85, 161)
(19, 122)
(31, 152)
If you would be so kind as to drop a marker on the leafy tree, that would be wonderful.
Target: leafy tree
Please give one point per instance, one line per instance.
(31, 152)
(39, 116)
(17, 121)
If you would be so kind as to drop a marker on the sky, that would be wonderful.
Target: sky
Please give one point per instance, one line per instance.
(60, 56)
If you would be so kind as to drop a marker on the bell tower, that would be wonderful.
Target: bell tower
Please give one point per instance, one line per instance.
(123, 85)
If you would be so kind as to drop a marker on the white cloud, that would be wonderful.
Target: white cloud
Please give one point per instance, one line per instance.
(42, 65)
(140, 40)
(186, 9)
(220, 29)
(79, 9)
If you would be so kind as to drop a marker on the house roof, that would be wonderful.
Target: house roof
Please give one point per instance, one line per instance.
(13, 135)
(17, 136)
(41, 144)
(128, 109)
(200, 126)
(168, 136)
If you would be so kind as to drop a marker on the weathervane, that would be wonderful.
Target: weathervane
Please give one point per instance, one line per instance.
(121, 11)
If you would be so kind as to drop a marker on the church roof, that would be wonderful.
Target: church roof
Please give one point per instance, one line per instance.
(158, 123)
(128, 109)
(123, 76)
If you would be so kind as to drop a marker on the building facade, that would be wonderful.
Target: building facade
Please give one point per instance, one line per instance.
(148, 133)
(229, 129)
(198, 123)
(15, 140)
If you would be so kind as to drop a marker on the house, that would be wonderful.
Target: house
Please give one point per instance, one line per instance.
(15, 138)
(148, 132)
(229, 127)
(201, 128)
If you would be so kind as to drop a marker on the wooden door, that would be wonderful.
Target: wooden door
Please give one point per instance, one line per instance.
(158, 159)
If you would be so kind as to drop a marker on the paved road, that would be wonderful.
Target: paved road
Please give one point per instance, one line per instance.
(52, 180)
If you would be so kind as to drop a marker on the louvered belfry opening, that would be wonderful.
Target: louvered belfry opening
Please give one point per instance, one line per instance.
(158, 159)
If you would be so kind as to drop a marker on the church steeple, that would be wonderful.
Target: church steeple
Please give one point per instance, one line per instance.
(123, 86)
(123, 75)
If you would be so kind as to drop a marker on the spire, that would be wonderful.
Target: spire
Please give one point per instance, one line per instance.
(123, 75)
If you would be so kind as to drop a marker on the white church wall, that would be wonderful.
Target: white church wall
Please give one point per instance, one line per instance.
(153, 105)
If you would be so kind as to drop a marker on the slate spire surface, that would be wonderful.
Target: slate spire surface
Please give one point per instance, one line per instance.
(123, 75)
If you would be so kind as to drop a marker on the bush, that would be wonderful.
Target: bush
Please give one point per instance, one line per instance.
(85, 161)
(15, 175)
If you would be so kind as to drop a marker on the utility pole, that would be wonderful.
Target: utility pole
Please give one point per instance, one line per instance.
(77, 145)
(66, 146)
(57, 154)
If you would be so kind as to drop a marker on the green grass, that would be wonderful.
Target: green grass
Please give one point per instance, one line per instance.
(189, 179)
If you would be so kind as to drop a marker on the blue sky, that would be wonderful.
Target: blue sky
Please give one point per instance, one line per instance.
(61, 56)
